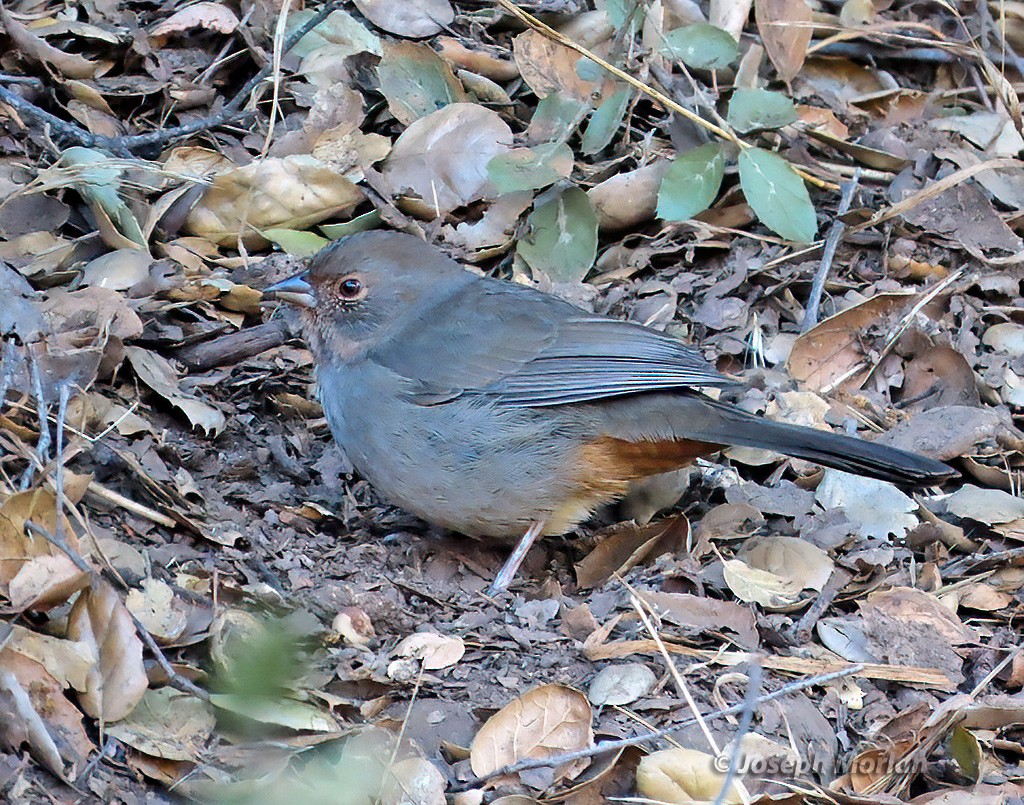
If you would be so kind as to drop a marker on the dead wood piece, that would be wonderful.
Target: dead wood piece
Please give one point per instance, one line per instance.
(234, 347)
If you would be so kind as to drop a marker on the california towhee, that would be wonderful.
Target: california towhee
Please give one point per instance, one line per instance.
(496, 410)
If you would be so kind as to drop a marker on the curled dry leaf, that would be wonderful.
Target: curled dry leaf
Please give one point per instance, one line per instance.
(167, 724)
(622, 683)
(754, 585)
(435, 650)
(158, 610)
(210, 16)
(440, 162)
(292, 192)
(160, 375)
(70, 65)
(413, 781)
(35, 713)
(416, 20)
(786, 28)
(118, 681)
(831, 353)
(805, 565)
(685, 776)
(548, 720)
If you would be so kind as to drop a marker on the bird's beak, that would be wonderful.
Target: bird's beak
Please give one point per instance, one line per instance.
(295, 289)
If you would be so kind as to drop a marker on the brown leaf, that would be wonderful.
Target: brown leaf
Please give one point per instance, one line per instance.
(16, 546)
(440, 162)
(785, 27)
(831, 353)
(550, 69)
(625, 545)
(416, 20)
(545, 721)
(292, 192)
(35, 712)
(34, 47)
(119, 681)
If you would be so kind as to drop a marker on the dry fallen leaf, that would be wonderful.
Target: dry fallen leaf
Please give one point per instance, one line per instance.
(416, 20)
(35, 713)
(436, 651)
(831, 353)
(160, 375)
(118, 682)
(292, 192)
(805, 565)
(545, 721)
(440, 162)
(167, 724)
(684, 775)
(759, 586)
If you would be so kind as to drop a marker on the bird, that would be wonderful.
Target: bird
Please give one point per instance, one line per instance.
(499, 411)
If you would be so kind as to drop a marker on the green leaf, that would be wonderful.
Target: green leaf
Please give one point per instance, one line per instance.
(691, 183)
(777, 195)
(752, 109)
(562, 239)
(555, 118)
(618, 10)
(966, 751)
(530, 168)
(97, 178)
(338, 36)
(416, 81)
(701, 46)
(296, 242)
(605, 121)
(361, 223)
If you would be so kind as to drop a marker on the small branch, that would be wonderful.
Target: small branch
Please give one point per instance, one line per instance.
(754, 677)
(611, 746)
(234, 347)
(835, 234)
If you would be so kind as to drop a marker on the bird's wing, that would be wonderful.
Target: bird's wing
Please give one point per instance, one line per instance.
(524, 348)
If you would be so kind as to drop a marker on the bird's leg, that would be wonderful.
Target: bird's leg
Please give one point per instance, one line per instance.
(511, 567)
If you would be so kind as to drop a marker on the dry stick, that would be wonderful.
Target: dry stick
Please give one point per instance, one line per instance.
(174, 679)
(754, 677)
(555, 36)
(634, 599)
(622, 743)
(835, 234)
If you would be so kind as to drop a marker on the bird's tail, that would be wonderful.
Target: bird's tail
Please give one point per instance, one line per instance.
(733, 426)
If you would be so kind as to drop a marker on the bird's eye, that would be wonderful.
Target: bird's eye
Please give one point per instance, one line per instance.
(351, 288)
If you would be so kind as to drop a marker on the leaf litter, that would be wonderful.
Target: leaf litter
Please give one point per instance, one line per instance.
(194, 584)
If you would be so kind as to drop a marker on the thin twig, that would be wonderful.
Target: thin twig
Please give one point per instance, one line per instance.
(835, 234)
(612, 746)
(754, 677)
